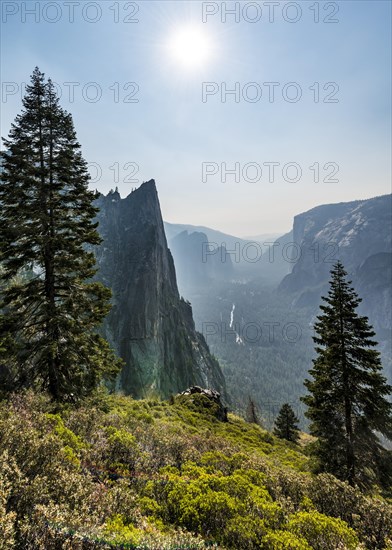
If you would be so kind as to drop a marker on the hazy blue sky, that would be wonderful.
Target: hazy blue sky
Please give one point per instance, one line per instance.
(170, 132)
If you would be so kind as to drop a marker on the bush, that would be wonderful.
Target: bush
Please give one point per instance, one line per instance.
(243, 533)
(283, 540)
(7, 519)
(323, 532)
(119, 531)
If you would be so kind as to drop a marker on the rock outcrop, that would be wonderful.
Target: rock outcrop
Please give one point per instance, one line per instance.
(203, 400)
(150, 326)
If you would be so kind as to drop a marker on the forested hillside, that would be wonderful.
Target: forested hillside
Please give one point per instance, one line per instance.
(266, 351)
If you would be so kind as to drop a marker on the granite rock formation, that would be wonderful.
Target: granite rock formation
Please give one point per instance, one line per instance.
(150, 326)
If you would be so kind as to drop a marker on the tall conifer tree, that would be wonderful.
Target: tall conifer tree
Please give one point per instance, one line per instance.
(348, 395)
(286, 424)
(50, 306)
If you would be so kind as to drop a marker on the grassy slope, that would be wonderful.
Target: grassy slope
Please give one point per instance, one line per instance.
(120, 473)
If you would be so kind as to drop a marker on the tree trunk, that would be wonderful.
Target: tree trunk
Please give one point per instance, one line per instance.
(350, 457)
(52, 329)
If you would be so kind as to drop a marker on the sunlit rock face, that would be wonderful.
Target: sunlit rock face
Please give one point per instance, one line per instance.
(149, 326)
(359, 234)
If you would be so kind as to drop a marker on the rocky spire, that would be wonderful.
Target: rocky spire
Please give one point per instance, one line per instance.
(150, 326)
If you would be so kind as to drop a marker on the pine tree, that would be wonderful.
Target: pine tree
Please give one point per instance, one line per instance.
(286, 424)
(348, 395)
(51, 307)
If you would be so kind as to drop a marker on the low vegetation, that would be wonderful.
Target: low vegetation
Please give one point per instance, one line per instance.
(118, 473)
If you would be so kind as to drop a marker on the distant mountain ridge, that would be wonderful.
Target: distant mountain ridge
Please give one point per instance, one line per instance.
(199, 262)
(235, 258)
(216, 236)
(149, 325)
(352, 232)
(219, 238)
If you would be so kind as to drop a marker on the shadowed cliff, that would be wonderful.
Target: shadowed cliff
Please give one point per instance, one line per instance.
(150, 326)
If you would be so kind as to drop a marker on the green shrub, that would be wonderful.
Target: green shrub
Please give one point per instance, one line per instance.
(323, 532)
(119, 531)
(71, 440)
(283, 540)
(244, 533)
(7, 519)
(373, 523)
(336, 498)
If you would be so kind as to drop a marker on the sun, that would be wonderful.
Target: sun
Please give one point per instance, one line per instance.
(190, 47)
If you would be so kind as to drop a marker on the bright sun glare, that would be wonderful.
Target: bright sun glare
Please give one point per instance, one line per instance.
(190, 47)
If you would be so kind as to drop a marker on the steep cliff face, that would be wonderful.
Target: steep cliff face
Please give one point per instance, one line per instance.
(150, 327)
(359, 234)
